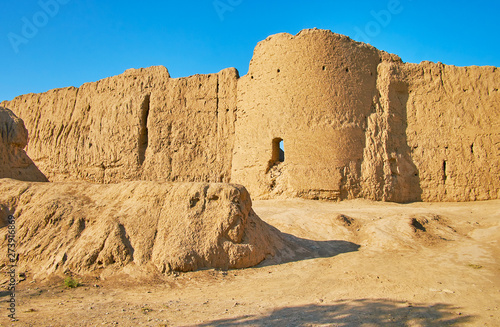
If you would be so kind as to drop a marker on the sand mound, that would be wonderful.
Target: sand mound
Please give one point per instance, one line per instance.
(157, 227)
(371, 226)
(407, 231)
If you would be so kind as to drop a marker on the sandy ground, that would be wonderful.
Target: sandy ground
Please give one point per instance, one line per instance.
(358, 263)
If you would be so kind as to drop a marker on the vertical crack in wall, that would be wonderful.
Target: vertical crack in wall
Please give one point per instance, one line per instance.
(217, 107)
(219, 137)
(217, 98)
(143, 133)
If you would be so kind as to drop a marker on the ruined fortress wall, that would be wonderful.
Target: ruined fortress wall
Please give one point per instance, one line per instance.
(327, 97)
(355, 122)
(191, 129)
(313, 91)
(138, 125)
(358, 122)
(453, 130)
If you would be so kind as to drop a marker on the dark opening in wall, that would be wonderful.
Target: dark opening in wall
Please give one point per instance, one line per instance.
(444, 171)
(143, 133)
(278, 154)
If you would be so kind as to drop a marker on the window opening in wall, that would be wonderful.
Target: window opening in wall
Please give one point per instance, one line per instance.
(275, 168)
(278, 154)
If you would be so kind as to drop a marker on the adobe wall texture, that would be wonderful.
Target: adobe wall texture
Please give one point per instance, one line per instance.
(355, 122)
(141, 125)
(453, 116)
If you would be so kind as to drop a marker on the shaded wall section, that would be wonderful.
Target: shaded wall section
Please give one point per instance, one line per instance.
(388, 170)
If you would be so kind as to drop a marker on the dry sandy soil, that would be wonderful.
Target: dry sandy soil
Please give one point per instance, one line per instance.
(358, 263)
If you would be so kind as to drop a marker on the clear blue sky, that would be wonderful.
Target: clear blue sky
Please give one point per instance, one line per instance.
(46, 46)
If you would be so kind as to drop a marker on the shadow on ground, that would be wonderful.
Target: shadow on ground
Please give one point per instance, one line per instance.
(298, 249)
(363, 312)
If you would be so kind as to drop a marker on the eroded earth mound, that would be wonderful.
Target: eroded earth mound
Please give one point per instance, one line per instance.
(158, 227)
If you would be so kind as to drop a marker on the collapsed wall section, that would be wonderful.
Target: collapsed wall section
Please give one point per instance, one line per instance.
(138, 125)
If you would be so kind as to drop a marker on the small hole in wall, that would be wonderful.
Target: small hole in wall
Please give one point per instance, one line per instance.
(251, 77)
(347, 70)
(279, 71)
(472, 148)
(193, 202)
(393, 163)
(324, 67)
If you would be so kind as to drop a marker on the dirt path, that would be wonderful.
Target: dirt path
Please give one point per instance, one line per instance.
(358, 263)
